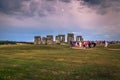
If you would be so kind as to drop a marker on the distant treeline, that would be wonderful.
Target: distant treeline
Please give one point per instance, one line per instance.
(14, 42)
(7, 42)
(18, 42)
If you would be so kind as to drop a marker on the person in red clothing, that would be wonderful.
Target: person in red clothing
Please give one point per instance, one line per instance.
(86, 44)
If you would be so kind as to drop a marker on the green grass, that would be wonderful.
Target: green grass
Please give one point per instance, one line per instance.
(55, 62)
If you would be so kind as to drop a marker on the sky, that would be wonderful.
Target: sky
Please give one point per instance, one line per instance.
(21, 20)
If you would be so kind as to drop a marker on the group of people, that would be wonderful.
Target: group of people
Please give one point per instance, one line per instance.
(83, 44)
(86, 44)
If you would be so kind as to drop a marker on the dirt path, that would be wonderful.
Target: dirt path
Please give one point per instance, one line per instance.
(113, 49)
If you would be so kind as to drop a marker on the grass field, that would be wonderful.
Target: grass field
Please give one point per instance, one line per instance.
(55, 62)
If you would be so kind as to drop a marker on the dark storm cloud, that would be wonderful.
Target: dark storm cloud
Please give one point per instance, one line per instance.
(93, 2)
(45, 7)
(67, 1)
(50, 0)
(103, 6)
(9, 6)
(28, 7)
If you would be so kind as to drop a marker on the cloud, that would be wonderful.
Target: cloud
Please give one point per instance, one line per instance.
(29, 7)
(26, 7)
(45, 7)
(103, 6)
(67, 1)
(10, 6)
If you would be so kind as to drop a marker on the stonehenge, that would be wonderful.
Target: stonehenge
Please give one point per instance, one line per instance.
(59, 39)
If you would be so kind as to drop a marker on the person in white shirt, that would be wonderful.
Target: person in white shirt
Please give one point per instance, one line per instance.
(106, 44)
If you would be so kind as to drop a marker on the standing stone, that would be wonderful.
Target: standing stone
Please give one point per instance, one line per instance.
(44, 40)
(49, 39)
(37, 40)
(79, 38)
(70, 37)
(60, 39)
(57, 40)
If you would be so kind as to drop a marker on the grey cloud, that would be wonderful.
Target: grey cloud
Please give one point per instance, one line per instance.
(18, 7)
(41, 9)
(21, 7)
(50, 0)
(67, 1)
(9, 6)
(93, 2)
(45, 7)
(103, 6)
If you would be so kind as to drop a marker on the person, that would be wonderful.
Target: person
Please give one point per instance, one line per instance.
(80, 44)
(71, 44)
(93, 44)
(76, 44)
(89, 44)
(106, 44)
(84, 45)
